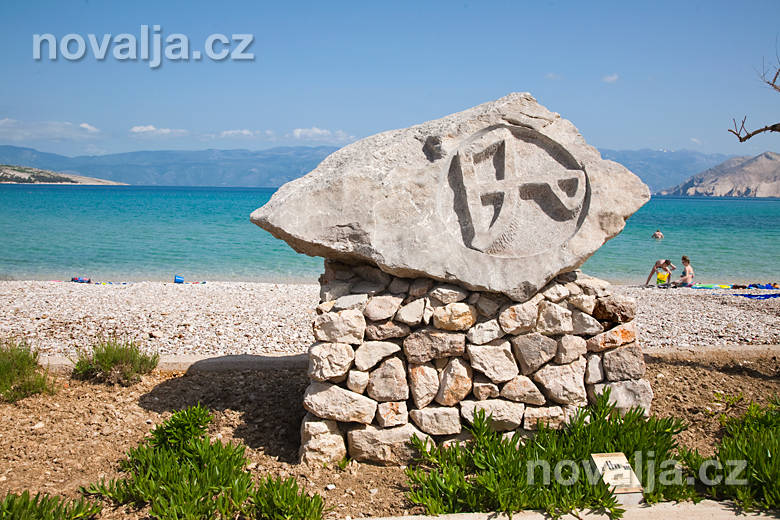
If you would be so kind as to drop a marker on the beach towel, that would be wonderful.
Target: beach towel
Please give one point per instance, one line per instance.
(758, 296)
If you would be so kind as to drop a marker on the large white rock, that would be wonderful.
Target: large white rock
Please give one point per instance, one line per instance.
(423, 384)
(437, 420)
(563, 384)
(625, 394)
(506, 415)
(553, 319)
(454, 316)
(500, 197)
(533, 350)
(484, 332)
(329, 401)
(426, 344)
(382, 307)
(412, 312)
(519, 318)
(340, 327)
(321, 441)
(391, 414)
(387, 446)
(522, 390)
(495, 360)
(370, 353)
(454, 382)
(623, 363)
(552, 416)
(569, 349)
(388, 382)
(330, 360)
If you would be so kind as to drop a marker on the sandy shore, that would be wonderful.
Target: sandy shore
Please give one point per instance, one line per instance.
(220, 318)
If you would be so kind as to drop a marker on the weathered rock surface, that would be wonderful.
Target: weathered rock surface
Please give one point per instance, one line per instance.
(390, 196)
(382, 307)
(569, 349)
(329, 401)
(585, 303)
(388, 382)
(392, 414)
(399, 286)
(552, 416)
(387, 446)
(340, 327)
(585, 324)
(488, 305)
(619, 336)
(533, 350)
(507, 415)
(483, 388)
(519, 318)
(563, 384)
(553, 319)
(387, 329)
(412, 312)
(426, 344)
(626, 394)
(454, 316)
(350, 301)
(594, 370)
(437, 420)
(423, 384)
(522, 390)
(357, 381)
(330, 360)
(617, 309)
(626, 362)
(484, 332)
(454, 383)
(448, 293)
(321, 441)
(495, 360)
(370, 353)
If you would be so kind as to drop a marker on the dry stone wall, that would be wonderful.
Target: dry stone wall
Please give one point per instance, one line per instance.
(397, 357)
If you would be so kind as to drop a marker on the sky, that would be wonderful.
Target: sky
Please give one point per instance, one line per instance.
(630, 75)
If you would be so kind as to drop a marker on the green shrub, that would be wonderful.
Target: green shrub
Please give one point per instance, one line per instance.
(114, 361)
(20, 374)
(746, 465)
(181, 474)
(277, 499)
(491, 472)
(45, 507)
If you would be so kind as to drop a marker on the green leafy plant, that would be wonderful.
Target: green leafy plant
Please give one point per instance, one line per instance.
(114, 361)
(491, 472)
(746, 465)
(45, 507)
(181, 474)
(20, 374)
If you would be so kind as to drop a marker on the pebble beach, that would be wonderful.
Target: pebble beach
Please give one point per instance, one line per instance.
(227, 318)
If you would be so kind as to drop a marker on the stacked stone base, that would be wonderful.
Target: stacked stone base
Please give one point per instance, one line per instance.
(397, 357)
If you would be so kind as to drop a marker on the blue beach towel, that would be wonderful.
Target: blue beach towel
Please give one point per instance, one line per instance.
(758, 296)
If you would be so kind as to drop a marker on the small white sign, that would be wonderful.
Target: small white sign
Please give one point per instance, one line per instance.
(617, 473)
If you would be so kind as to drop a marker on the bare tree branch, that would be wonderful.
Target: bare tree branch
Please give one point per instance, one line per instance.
(771, 77)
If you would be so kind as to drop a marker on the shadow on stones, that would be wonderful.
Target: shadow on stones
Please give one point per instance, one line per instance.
(766, 372)
(267, 393)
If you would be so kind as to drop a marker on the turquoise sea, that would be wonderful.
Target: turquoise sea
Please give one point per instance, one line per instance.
(129, 233)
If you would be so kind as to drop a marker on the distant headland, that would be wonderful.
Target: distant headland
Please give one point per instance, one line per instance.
(10, 174)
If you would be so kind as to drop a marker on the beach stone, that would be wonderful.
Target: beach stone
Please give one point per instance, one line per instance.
(584, 324)
(484, 332)
(351, 301)
(321, 441)
(625, 394)
(585, 303)
(552, 416)
(489, 304)
(385, 446)
(594, 371)
(420, 287)
(454, 382)
(625, 362)
(399, 285)
(386, 329)
(392, 414)
(357, 381)
(523, 390)
(388, 382)
(520, 318)
(328, 401)
(553, 319)
(413, 201)
(454, 316)
(495, 360)
(616, 337)
(448, 293)
(423, 383)
(615, 309)
(340, 327)
(325, 307)
(593, 286)
(329, 360)
(533, 350)
(556, 293)
(569, 349)
(563, 383)
(412, 312)
(426, 344)
(370, 353)
(483, 388)
(334, 290)
(573, 288)
(507, 415)
(437, 420)
(382, 307)
(367, 287)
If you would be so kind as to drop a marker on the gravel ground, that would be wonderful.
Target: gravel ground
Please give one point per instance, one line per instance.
(220, 318)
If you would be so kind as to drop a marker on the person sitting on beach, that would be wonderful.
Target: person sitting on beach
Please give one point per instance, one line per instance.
(686, 277)
(661, 265)
(657, 235)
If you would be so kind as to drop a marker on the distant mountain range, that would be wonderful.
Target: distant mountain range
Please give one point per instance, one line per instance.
(757, 176)
(24, 175)
(275, 166)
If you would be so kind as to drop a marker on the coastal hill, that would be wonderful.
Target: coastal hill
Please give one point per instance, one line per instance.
(757, 176)
(23, 175)
(275, 166)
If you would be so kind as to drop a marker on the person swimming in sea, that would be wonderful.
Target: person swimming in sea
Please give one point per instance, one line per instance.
(661, 265)
(657, 235)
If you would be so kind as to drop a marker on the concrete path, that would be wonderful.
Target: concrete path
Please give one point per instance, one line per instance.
(704, 510)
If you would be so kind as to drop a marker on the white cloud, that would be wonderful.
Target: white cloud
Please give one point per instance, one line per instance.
(16, 131)
(145, 130)
(610, 78)
(237, 133)
(553, 76)
(89, 128)
(695, 141)
(322, 135)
